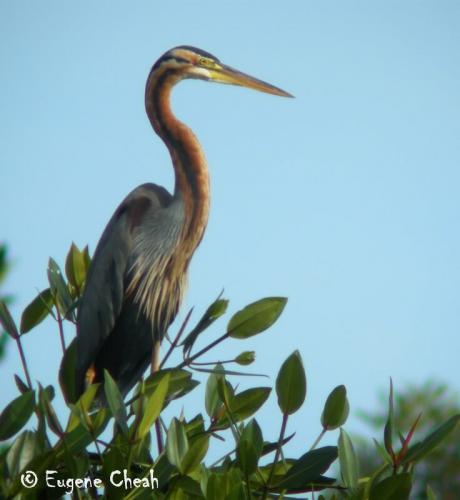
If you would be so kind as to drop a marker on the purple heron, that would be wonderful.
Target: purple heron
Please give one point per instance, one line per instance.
(138, 274)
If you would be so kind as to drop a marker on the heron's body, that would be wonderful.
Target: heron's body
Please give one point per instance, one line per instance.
(128, 319)
(138, 274)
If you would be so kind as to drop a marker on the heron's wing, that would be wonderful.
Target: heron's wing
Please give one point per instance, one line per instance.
(104, 292)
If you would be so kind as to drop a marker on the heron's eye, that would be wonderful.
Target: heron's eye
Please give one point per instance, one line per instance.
(207, 63)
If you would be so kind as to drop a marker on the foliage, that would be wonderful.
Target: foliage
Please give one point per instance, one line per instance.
(4, 268)
(174, 464)
(441, 468)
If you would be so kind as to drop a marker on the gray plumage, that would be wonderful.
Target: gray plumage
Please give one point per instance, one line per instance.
(115, 328)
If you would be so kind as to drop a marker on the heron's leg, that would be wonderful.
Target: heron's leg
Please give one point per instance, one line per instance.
(155, 366)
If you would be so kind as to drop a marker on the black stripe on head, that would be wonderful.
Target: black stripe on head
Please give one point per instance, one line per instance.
(198, 51)
(170, 56)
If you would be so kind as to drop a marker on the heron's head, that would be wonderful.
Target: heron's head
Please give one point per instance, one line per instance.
(190, 62)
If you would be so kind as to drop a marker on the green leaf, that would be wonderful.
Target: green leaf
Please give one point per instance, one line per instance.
(392, 488)
(16, 415)
(67, 373)
(99, 420)
(176, 443)
(195, 426)
(225, 391)
(36, 311)
(195, 454)
(336, 409)
(77, 436)
(430, 494)
(58, 287)
(78, 417)
(245, 358)
(212, 487)
(291, 384)
(212, 400)
(256, 317)
(115, 402)
(21, 385)
(153, 406)
(85, 401)
(238, 492)
(163, 469)
(420, 450)
(309, 467)
(81, 409)
(75, 267)
(86, 258)
(226, 485)
(4, 337)
(180, 382)
(7, 321)
(245, 404)
(250, 446)
(382, 452)
(4, 265)
(247, 457)
(21, 452)
(389, 426)
(213, 312)
(253, 434)
(349, 466)
(269, 447)
(184, 488)
(51, 417)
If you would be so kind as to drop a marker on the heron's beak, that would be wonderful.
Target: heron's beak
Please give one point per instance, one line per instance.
(226, 74)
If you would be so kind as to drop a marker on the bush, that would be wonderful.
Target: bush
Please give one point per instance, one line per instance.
(437, 402)
(174, 465)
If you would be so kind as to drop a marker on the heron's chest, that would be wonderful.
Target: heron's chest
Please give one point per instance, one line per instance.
(158, 271)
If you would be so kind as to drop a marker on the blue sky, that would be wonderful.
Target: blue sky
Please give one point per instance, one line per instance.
(345, 200)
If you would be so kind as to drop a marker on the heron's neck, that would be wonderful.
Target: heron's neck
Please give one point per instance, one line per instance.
(191, 172)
